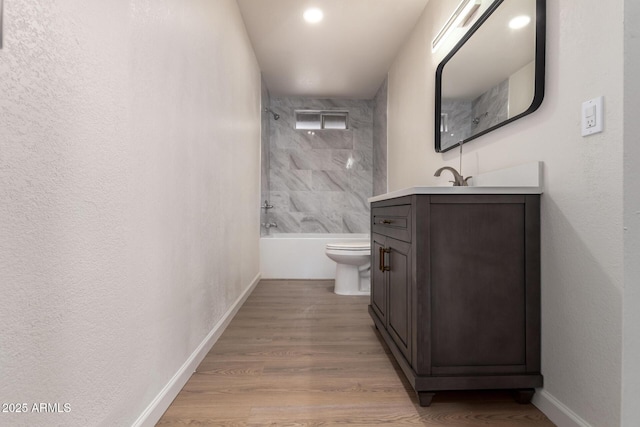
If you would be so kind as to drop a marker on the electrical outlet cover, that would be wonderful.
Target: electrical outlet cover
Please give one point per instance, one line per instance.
(592, 116)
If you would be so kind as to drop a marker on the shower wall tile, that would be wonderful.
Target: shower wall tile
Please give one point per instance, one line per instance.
(317, 223)
(304, 201)
(331, 201)
(492, 107)
(355, 222)
(264, 153)
(284, 135)
(288, 222)
(363, 160)
(309, 159)
(281, 201)
(320, 182)
(289, 139)
(363, 139)
(290, 180)
(328, 139)
(459, 122)
(317, 103)
(361, 182)
(352, 160)
(362, 128)
(488, 109)
(356, 203)
(342, 160)
(280, 159)
(310, 202)
(330, 181)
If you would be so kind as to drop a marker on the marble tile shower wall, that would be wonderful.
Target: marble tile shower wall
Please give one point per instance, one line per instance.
(264, 155)
(459, 120)
(487, 110)
(492, 107)
(319, 183)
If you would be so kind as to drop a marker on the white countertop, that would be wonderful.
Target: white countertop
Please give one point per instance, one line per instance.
(521, 179)
(456, 190)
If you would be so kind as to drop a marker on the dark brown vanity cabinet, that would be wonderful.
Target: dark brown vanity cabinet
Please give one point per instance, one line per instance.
(455, 290)
(392, 292)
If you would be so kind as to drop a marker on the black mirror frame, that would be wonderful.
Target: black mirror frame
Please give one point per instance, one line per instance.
(541, 27)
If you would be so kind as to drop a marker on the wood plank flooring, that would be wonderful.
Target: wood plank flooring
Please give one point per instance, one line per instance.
(296, 354)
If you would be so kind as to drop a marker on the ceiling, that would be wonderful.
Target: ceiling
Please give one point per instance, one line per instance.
(347, 55)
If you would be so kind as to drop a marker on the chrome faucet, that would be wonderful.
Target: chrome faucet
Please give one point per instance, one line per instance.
(269, 225)
(459, 180)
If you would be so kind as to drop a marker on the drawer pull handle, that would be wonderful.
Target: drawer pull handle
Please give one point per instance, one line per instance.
(386, 221)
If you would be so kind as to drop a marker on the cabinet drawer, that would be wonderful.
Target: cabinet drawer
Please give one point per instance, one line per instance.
(392, 221)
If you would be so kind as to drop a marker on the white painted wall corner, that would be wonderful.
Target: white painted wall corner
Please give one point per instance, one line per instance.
(159, 405)
(556, 411)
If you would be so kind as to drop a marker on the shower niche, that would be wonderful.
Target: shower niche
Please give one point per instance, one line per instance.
(312, 120)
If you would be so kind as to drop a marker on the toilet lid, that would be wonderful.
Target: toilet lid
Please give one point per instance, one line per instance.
(350, 246)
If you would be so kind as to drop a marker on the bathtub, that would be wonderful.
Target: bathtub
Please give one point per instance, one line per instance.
(300, 256)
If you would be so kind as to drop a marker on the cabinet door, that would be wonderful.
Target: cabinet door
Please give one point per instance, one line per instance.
(378, 280)
(398, 262)
(478, 287)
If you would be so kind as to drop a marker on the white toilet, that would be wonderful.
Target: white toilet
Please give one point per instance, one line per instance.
(353, 267)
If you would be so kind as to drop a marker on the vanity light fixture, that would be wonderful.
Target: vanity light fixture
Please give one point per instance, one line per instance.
(460, 18)
(519, 22)
(313, 15)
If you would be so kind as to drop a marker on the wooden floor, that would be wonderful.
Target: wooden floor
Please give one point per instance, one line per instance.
(296, 354)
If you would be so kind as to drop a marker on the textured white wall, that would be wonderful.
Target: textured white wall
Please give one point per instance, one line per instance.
(129, 180)
(582, 243)
(631, 346)
(410, 110)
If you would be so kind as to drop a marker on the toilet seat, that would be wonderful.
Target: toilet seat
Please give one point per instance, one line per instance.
(349, 246)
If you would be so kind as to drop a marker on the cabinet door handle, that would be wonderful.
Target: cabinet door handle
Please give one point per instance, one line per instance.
(383, 252)
(386, 221)
(381, 259)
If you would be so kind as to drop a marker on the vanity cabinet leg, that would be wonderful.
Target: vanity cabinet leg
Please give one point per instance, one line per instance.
(425, 397)
(524, 396)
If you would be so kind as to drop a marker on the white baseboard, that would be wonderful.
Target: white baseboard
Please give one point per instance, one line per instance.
(159, 405)
(556, 411)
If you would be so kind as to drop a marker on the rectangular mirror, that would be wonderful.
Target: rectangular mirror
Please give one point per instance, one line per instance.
(494, 75)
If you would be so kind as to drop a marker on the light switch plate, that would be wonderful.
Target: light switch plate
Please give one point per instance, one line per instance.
(592, 116)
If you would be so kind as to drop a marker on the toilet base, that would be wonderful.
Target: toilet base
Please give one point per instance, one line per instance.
(346, 277)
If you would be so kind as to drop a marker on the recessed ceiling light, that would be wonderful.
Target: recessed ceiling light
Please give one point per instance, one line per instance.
(313, 15)
(519, 22)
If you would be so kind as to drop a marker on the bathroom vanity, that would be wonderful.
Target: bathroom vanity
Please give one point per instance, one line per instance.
(455, 286)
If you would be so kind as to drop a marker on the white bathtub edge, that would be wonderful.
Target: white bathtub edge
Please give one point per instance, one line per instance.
(300, 256)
